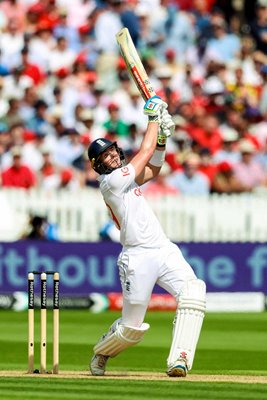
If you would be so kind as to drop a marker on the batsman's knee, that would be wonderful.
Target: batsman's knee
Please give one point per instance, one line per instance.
(193, 295)
(122, 337)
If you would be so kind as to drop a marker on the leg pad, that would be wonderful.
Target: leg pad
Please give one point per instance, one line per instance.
(188, 323)
(122, 337)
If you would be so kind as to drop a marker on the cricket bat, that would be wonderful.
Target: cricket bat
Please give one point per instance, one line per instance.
(134, 64)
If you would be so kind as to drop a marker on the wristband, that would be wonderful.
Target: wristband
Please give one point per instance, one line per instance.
(158, 158)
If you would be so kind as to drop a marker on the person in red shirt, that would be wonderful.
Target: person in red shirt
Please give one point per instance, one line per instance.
(18, 175)
(205, 131)
(207, 166)
(189, 4)
(29, 69)
(199, 99)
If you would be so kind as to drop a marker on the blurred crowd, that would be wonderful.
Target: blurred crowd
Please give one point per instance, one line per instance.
(63, 83)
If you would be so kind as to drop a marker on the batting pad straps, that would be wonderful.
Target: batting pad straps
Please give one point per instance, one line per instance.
(193, 295)
(158, 158)
(124, 336)
(188, 322)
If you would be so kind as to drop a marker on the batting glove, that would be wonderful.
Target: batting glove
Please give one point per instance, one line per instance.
(167, 125)
(154, 108)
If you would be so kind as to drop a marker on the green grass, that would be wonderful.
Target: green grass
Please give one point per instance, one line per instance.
(233, 344)
(120, 390)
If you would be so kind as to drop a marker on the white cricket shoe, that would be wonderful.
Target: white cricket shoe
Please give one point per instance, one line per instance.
(98, 364)
(178, 369)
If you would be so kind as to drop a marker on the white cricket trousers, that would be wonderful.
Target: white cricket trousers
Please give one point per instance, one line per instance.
(140, 269)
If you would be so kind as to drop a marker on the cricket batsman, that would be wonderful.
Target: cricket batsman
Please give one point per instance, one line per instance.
(148, 256)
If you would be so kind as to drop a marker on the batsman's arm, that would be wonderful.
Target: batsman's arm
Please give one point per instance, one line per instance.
(154, 109)
(141, 159)
(150, 171)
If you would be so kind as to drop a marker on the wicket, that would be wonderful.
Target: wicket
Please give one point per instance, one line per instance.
(43, 320)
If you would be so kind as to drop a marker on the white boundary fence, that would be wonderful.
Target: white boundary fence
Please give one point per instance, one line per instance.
(81, 214)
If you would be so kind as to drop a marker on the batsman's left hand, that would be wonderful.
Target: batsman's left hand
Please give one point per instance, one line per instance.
(167, 125)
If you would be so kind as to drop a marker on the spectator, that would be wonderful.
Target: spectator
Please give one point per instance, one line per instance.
(214, 90)
(114, 126)
(179, 144)
(40, 229)
(18, 175)
(39, 122)
(263, 94)
(203, 24)
(190, 181)
(199, 98)
(3, 100)
(33, 71)
(207, 165)
(86, 125)
(13, 137)
(234, 119)
(229, 151)
(78, 12)
(160, 186)
(68, 180)
(32, 150)
(248, 171)
(225, 181)
(5, 143)
(182, 35)
(206, 132)
(68, 148)
(61, 56)
(27, 103)
(48, 167)
(243, 92)
(14, 10)
(259, 26)
(62, 29)
(11, 43)
(132, 109)
(90, 176)
(41, 45)
(109, 232)
(225, 46)
(106, 44)
(12, 117)
(32, 16)
(261, 157)
(129, 18)
(165, 90)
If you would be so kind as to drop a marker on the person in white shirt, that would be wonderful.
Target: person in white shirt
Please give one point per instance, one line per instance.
(148, 256)
(11, 44)
(61, 56)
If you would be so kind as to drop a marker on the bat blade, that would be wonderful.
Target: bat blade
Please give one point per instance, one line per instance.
(134, 64)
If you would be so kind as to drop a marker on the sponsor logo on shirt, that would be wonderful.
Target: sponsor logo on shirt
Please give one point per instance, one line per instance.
(125, 171)
(137, 192)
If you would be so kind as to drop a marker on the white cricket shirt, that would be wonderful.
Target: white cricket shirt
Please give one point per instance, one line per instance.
(129, 210)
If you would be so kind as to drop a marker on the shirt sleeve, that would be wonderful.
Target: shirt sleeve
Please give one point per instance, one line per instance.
(120, 179)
